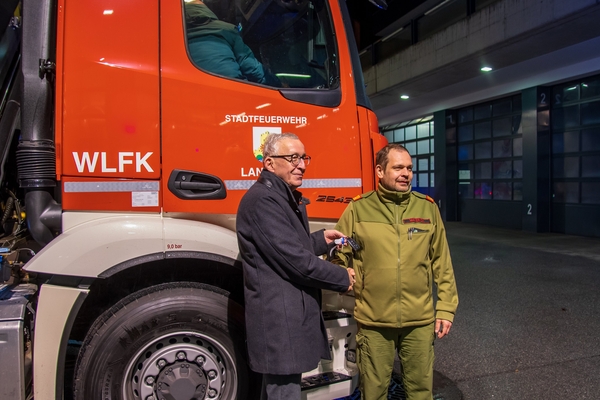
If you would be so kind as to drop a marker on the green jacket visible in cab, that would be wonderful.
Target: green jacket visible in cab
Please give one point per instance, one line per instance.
(216, 46)
(404, 252)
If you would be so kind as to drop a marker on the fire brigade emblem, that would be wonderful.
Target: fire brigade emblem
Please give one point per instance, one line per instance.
(259, 134)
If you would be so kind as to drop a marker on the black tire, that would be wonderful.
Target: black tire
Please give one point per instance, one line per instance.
(171, 341)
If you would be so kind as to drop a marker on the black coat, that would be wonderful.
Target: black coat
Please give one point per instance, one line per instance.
(283, 279)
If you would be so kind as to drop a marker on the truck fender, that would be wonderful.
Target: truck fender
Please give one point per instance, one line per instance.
(90, 247)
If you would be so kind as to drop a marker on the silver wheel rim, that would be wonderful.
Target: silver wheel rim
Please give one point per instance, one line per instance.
(206, 361)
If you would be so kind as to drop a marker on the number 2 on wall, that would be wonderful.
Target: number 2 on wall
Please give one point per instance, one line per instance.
(529, 208)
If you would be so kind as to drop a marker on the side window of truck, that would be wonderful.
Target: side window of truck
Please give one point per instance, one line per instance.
(278, 43)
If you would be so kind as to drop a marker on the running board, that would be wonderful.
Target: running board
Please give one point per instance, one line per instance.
(338, 377)
(327, 386)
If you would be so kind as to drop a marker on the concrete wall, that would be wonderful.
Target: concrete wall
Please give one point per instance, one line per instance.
(494, 26)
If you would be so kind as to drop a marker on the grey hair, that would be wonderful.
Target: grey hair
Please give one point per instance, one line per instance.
(271, 145)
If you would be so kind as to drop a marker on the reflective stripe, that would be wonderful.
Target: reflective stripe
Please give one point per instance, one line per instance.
(244, 184)
(331, 183)
(112, 186)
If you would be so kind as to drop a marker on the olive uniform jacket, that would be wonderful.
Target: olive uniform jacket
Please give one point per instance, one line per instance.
(283, 279)
(404, 252)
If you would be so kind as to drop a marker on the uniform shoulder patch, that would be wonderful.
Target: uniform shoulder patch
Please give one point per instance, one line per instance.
(363, 196)
(422, 196)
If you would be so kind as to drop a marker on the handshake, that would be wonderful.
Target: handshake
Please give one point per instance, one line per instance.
(352, 277)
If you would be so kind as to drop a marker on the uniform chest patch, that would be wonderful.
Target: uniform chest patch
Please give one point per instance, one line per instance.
(416, 221)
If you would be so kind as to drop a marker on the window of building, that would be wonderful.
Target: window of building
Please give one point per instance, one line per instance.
(417, 137)
(281, 44)
(490, 150)
(576, 142)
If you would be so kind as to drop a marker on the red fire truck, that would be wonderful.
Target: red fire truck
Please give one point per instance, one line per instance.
(124, 157)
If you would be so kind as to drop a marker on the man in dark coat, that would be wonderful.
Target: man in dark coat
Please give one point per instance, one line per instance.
(283, 276)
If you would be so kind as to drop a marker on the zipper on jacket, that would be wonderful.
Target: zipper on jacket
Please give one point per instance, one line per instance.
(412, 230)
(397, 230)
(399, 277)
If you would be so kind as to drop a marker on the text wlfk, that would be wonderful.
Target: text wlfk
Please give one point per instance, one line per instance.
(126, 160)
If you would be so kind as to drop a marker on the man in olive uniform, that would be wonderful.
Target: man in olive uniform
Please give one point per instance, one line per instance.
(403, 253)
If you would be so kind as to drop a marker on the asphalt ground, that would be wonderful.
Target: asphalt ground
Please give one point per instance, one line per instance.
(528, 321)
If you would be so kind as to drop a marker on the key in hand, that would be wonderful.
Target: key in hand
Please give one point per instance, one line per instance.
(348, 241)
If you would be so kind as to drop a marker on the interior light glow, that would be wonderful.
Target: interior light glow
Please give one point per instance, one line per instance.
(107, 12)
(286, 75)
(486, 69)
(404, 97)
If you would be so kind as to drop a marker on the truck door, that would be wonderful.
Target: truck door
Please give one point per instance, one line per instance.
(234, 71)
(107, 105)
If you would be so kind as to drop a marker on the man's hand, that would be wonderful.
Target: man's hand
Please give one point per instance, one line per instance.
(352, 278)
(332, 234)
(442, 327)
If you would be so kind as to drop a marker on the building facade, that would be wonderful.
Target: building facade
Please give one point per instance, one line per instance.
(499, 104)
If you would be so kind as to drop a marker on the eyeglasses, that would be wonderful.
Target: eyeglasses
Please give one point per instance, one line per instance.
(294, 159)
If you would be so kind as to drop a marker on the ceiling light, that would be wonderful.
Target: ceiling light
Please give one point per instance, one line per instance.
(486, 69)
(436, 7)
(404, 97)
(393, 34)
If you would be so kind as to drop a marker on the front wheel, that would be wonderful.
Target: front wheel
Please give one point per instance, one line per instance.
(174, 341)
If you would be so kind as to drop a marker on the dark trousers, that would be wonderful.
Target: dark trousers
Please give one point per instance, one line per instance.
(281, 387)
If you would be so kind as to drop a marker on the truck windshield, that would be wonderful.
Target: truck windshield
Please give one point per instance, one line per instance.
(279, 43)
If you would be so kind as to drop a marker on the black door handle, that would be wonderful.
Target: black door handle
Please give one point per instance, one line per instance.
(192, 185)
(202, 186)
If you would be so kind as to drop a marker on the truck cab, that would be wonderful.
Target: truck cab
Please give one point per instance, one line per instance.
(129, 136)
